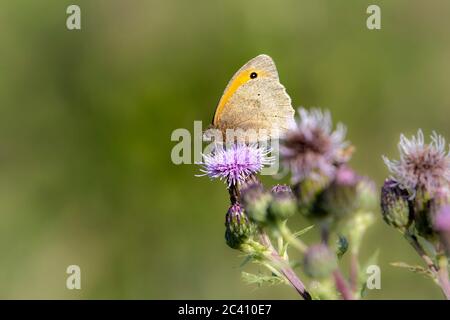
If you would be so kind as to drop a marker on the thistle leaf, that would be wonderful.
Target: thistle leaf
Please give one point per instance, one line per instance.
(428, 247)
(364, 290)
(373, 259)
(303, 231)
(260, 279)
(297, 235)
(413, 268)
(247, 259)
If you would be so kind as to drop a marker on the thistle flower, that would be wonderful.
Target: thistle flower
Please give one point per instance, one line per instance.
(235, 163)
(312, 149)
(422, 167)
(238, 226)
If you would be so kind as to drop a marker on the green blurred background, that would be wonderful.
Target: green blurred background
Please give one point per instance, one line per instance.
(86, 118)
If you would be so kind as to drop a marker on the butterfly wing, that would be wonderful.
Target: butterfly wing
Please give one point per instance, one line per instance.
(263, 104)
(255, 103)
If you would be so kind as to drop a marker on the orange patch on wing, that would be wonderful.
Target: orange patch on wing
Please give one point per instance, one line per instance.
(242, 78)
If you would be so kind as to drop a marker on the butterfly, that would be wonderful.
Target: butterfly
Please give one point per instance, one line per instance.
(255, 101)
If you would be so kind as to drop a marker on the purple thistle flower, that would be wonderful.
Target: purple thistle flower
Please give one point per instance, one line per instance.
(312, 149)
(421, 166)
(235, 163)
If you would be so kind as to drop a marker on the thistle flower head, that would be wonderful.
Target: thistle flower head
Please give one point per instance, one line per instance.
(312, 148)
(422, 167)
(235, 163)
(238, 226)
(395, 206)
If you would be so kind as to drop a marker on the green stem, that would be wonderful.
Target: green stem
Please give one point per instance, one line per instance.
(291, 239)
(443, 275)
(412, 239)
(354, 271)
(440, 271)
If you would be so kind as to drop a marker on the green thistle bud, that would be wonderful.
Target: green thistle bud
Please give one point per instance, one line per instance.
(256, 202)
(283, 204)
(307, 191)
(395, 206)
(319, 261)
(423, 222)
(366, 194)
(339, 198)
(427, 208)
(238, 227)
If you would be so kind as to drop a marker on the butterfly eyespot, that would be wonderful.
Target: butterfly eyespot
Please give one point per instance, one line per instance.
(253, 75)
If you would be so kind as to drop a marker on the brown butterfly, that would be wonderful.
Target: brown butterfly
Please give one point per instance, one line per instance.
(254, 99)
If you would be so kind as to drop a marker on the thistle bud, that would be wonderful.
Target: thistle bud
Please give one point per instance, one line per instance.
(307, 191)
(339, 199)
(395, 206)
(366, 194)
(256, 202)
(428, 212)
(319, 261)
(283, 204)
(422, 205)
(426, 208)
(238, 227)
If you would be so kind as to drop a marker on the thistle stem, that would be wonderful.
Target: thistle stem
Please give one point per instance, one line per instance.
(291, 239)
(342, 286)
(440, 272)
(285, 269)
(325, 233)
(442, 275)
(412, 239)
(354, 271)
